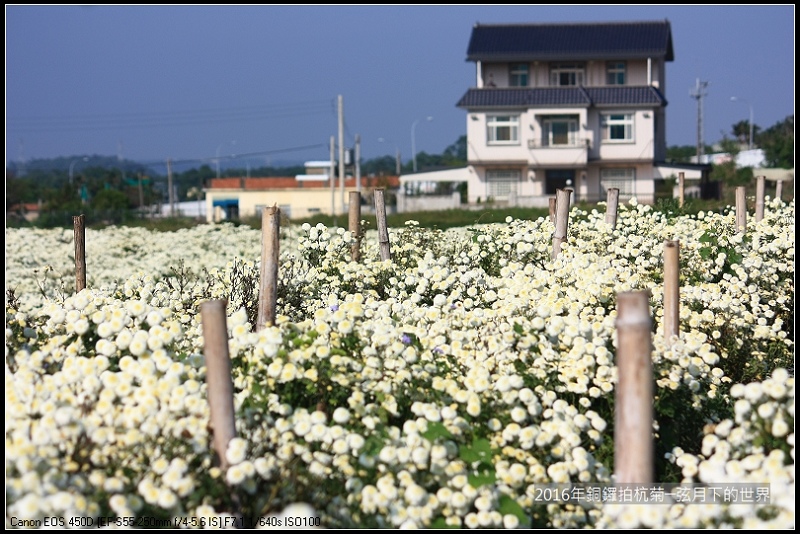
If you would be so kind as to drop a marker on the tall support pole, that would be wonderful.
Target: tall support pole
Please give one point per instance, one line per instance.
(355, 225)
(270, 252)
(612, 203)
(79, 232)
(383, 231)
(741, 209)
(633, 406)
(562, 220)
(760, 197)
(218, 376)
(681, 185)
(671, 291)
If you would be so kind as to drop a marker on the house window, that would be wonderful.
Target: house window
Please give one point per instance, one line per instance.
(560, 131)
(617, 127)
(502, 129)
(566, 74)
(502, 182)
(622, 179)
(518, 75)
(615, 73)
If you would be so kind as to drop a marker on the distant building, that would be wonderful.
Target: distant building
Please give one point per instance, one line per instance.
(754, 158)
(298, 197)
(568, 105)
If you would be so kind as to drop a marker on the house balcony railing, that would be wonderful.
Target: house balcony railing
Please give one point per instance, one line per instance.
(572, 143)
(543, 152)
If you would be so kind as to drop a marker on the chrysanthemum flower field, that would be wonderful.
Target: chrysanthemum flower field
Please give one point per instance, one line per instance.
(437, 389)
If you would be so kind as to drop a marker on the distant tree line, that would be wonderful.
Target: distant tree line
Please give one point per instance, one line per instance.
(108, 184)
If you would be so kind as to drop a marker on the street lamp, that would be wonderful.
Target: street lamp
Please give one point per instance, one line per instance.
(218, 149)
(72, 166)
(737, 99)
(413, 141)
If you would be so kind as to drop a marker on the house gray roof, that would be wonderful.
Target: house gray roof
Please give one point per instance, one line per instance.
(570, 41)
(562, 97)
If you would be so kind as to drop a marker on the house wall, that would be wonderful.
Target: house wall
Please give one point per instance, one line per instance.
(595, 73)
(294, 203)
(642, 147)
(532, 130)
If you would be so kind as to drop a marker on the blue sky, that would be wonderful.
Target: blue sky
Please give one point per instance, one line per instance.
(150, 83)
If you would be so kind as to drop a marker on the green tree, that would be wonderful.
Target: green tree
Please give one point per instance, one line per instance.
(777, 141)
(456, 154)
(111, 200)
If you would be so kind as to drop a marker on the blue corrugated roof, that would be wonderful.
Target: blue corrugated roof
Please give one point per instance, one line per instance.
(570, 41)
(562, 96)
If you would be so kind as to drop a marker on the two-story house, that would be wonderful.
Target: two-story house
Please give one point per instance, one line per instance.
(577, 105)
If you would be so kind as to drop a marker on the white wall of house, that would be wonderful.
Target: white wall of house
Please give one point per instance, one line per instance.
(637, 73)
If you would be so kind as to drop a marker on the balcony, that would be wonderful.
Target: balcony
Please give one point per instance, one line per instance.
(544, 152)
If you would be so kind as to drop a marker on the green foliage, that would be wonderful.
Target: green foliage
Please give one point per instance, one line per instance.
(778, 144)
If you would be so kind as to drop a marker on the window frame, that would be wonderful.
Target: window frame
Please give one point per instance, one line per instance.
(577, 70)
(624, 180)
(609, 124)
(501, 182)
(616, 73)
(495, 125)
(518, 74)
(572, 131)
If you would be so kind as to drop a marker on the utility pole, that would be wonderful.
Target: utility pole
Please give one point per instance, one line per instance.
(698, 92)
(357, 158)
(141, 193)
(332, 176)
(397, 162)
(169, 189)
(341, 149)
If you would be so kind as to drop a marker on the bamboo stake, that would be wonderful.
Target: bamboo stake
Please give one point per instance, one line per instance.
(633, 407)
(355, 225)
(671, 291)
(79, 231)
(270, 250)
(612, 201)
(552, 209)
(680, 188)
(741, 209)
(760, 197)
(779, 189)
(218, 376)
(383, 232)
(562, 220)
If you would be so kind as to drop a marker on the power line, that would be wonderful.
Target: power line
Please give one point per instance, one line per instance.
(31, 124)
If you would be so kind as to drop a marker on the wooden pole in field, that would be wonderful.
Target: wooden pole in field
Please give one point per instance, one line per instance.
(218, 376)
(355, 225)
(383, 231)
(633, 406)
(779, 189)
(552, 209)
(268, 292)
(681, 185)
(562, 220)
(760, 197)
(741, 209)
(79, 224)
(672, 291)
(612, 201)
